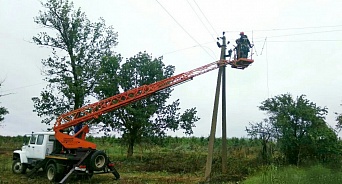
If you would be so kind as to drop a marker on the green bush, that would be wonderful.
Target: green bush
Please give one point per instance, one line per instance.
(174, 162)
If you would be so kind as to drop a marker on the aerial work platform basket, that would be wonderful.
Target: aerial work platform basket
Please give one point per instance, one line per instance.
(241, 59)
(240, 63)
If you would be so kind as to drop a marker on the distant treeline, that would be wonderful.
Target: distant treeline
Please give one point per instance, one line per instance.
(167, 141)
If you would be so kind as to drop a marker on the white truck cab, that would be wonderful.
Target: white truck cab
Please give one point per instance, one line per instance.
(35, 148)
(42, 150)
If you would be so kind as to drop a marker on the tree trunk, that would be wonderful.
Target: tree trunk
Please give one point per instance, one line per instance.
(130, 148)
(298, 155)
(264, 151)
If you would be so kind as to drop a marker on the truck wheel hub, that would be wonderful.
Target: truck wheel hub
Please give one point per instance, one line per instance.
(50, 174)
(100, 161)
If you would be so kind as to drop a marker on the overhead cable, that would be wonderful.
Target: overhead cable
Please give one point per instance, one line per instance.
(200, 20)
(286, 29)
(21, 87)
(184, 29)
(307, 33)
(206, 18)
(303, 41)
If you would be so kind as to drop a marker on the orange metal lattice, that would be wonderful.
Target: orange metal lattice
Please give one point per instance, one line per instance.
(94, 110)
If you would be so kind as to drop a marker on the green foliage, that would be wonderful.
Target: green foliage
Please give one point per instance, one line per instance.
(147, 117)
(77, 50)
(11, 143)
(174, 162)
(316, 174)
(108, 77)
(264, 131)
(83, 65)
(3, 110)
(300, 129)
(339, 121)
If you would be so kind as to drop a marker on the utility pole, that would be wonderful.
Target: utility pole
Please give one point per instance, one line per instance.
(224, 122)
(221, 75)
(213, 128)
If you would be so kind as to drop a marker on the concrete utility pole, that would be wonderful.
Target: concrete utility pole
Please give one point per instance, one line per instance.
(224, 123)
(221, 74)
(213, 128)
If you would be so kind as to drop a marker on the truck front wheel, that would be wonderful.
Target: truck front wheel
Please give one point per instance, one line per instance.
(18, 167)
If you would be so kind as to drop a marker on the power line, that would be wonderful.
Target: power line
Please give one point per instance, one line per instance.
(183, 28)
(6, 94)
(206, 18)
(267, 73)
(22, 87)
(254, 45)
(178, 50)
(264, 42)
(263, 46)
(286, 29)
(307, 33)
(303, 41)
(200, 20)
(313, 27)
(186, 48)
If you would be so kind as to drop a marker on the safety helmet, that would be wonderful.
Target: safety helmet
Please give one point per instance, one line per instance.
(242, 33)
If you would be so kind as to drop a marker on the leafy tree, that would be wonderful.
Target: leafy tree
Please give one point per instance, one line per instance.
(300, 128)
(150, 116)
(78, 47)
(339, 121)
(264, 131)
(3, 110)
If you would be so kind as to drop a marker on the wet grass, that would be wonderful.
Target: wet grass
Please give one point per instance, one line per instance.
(179, 161)
(133, 170)
(316, 174)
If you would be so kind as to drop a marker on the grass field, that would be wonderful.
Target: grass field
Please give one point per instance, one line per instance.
(180, 160)
(150, 164)
(288, 175)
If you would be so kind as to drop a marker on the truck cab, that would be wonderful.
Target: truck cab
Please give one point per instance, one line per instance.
(35, 147)
(41, 150)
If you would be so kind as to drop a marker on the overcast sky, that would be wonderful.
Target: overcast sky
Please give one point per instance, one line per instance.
(301, 55)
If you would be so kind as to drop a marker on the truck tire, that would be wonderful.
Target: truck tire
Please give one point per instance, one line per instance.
(98, 161)
(52, 173)
(18, 167)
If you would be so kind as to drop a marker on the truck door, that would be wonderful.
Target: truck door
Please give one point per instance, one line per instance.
(49, 144)
(36, 148)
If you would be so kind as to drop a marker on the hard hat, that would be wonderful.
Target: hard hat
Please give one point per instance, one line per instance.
(242, 33)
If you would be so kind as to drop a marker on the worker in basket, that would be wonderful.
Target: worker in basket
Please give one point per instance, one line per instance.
(243, 46)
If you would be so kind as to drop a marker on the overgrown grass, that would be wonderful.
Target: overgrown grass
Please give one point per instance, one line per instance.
(174, 160)
(180, 160)
(294, 175)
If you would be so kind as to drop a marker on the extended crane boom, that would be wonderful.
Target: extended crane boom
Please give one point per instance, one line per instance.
(96, 109)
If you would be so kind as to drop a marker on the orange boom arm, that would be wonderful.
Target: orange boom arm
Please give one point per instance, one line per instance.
(96, 109)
